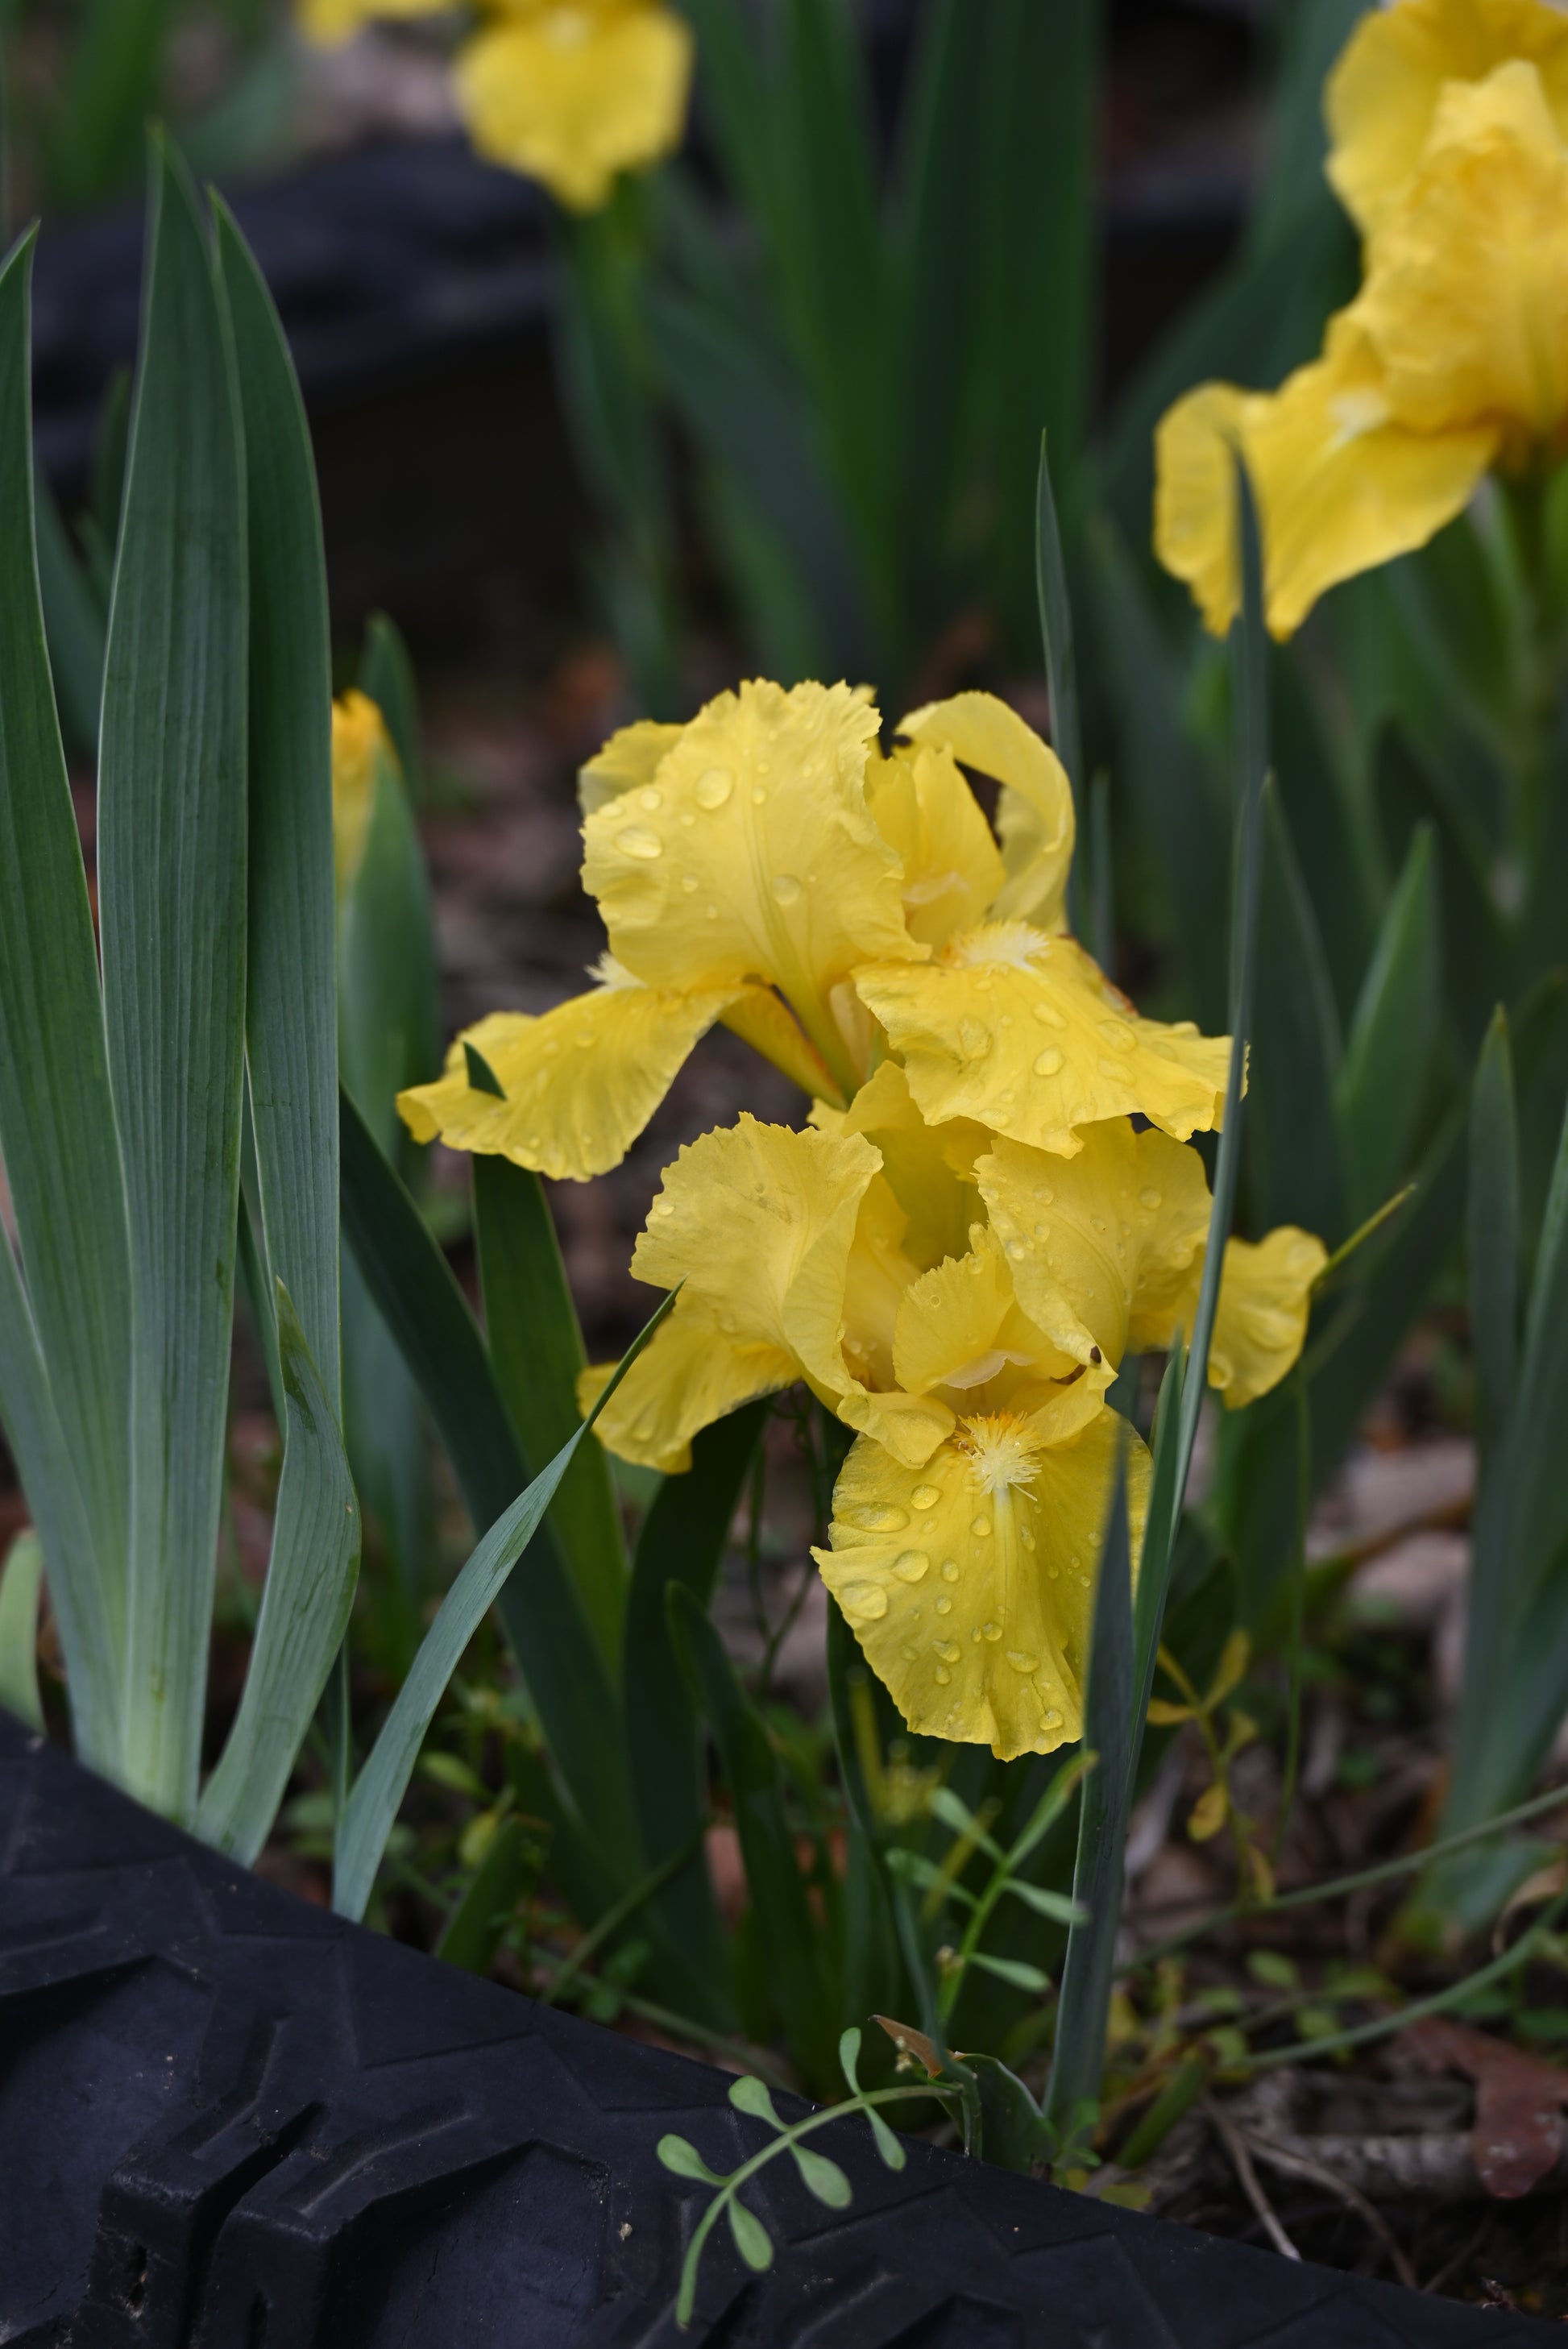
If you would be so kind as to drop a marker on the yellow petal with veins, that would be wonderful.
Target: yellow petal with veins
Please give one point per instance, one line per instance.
(753, 857)
(1466, 299)
(688, 1375)
(1261, 1318)
(1384, 93)
(1265, 1300)
(1341, 485)
(629, 761)
(925, 811)
(1022, 1033)
(764, 1021)
(1035, 812)
(969, 1582)
(576, 92)
(579, 1083)
(1096, 1243)
(757, 1221)
(960, 1327)
(929, 1169)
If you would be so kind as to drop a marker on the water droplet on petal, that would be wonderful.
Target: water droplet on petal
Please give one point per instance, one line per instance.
(945, 1606)
(1048, 1063)
(1016, 1250)
(867, 1598)
(948, 1651)
(924, 1496)
(650, 799)
(950, 1569)
(713, 787)
(663, 1206)
(973, 1039)
(1150, 1199)
(943, 1679)
(980, 1526)
(1053, 1718)
(786, 889)
(689, 884)
(911, 1565)
(641, 841)
(992, 1631)
(1050, 1015)
(882, 1520)
(1021, 1659)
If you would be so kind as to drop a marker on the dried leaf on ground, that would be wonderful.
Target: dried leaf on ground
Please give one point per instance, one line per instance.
(1517, 2136)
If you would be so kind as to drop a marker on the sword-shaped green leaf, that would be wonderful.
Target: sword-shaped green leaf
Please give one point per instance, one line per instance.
(171, 893)
(290, 1033)
(57, 1120)
(306, 1603)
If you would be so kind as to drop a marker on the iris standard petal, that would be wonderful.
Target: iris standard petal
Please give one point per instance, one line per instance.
(1382, 96)
(1467, 297)
(629, 761)
(972, 1599)
(578, 1085)
(577, 92)
(753, 855)
(1341, 485)
(925, 810)
(1099, 1242)
(1022, 1033)
(1035, 812)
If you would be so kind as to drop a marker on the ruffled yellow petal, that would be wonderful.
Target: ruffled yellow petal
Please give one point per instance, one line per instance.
(1097, 1245)
(1466, 300)
(928, 1169)
(1341, 486)
(629, 761)
(1260, 1322)
(575, 93)
(925, 811)
(1265, 1300)
(1384, 92)
(969, 1581)
(579, 1084)
(1021, 1033)
(360, 745)
(688, 1375)
(960, 1327)
(329, 22)
(1035, 812)
(753, 855)
(757, 1221)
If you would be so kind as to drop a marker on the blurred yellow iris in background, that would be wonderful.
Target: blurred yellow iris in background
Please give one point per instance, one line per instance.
(1449, 121)
(571, 92)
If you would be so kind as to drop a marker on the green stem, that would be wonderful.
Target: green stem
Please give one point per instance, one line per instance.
(610, 1923)
(1409, 1863)
(1439, 2001)
(730, 2187)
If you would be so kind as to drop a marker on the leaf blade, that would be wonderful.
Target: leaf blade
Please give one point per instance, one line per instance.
(306, 1604)
(171, 879)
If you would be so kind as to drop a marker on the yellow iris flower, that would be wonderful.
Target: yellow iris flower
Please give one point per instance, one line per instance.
(962, 1301)
(572, 92)
(768, 866)
(359, 740)
(1449, 127)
